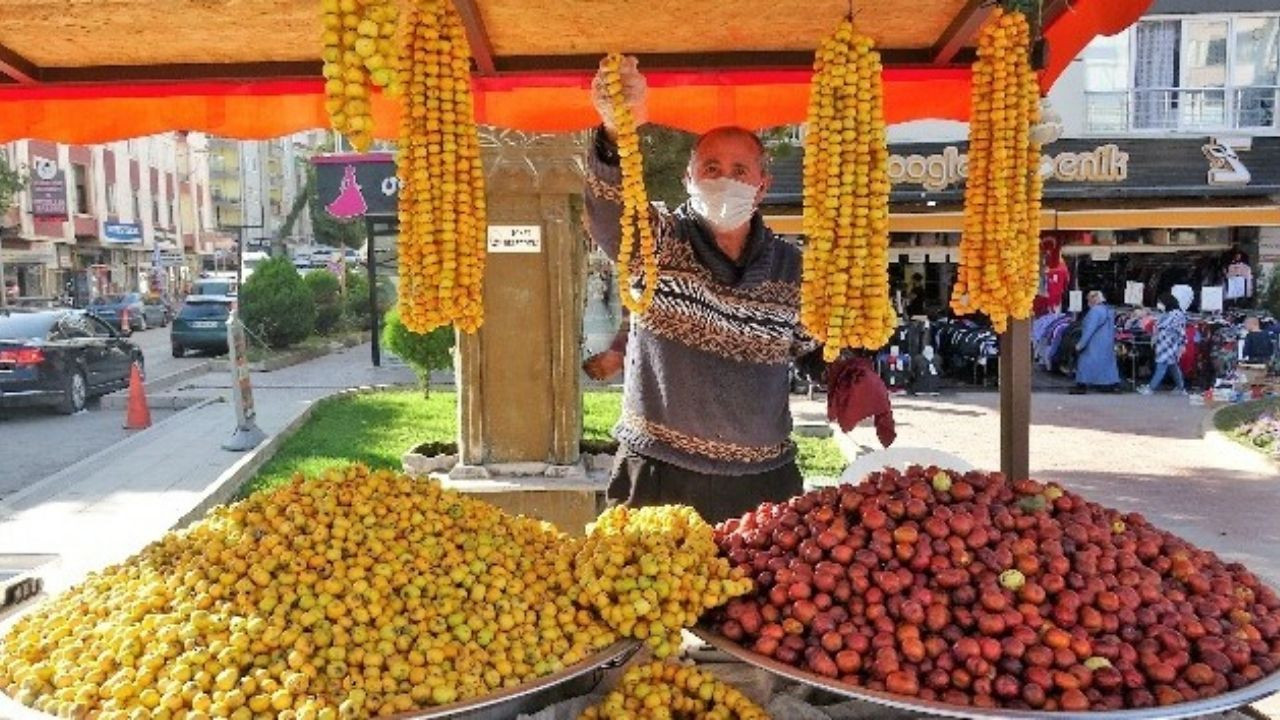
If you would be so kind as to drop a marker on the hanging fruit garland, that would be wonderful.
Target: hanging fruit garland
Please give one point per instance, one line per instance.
(442, 196)
(635, 201)
(359, 50)
(1000, 250)
(845, 290)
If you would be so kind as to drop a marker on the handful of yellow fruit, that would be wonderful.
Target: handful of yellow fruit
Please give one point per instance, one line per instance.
(651, 572)
(668, 690)
(359, 50)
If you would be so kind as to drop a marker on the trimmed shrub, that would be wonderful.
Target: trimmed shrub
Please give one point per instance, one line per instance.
(423, 353)
(327, 295)
(276, 305)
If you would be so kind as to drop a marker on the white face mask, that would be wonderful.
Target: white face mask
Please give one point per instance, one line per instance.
(928, 352)
(724, 203)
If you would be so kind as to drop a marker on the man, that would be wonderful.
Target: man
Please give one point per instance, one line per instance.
(705, 418)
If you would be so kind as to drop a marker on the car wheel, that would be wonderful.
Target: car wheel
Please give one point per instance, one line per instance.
(142, 323)
(75, 393)
(179, 351)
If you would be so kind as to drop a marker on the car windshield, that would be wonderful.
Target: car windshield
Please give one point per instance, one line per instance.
(204, 311)
(26, 327)
(109, 300)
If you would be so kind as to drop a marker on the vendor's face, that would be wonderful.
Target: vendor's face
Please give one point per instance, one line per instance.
(730, 156)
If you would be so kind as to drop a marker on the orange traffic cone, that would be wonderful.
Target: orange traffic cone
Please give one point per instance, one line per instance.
(139, 415)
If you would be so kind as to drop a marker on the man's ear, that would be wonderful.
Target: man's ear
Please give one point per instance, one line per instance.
(764, 188)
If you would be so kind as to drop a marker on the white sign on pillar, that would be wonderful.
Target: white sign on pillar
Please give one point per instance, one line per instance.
(515, 238)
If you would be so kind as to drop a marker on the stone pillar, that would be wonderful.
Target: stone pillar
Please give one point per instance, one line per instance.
(520, 408)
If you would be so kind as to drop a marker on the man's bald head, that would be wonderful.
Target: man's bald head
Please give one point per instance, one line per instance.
(730, 152)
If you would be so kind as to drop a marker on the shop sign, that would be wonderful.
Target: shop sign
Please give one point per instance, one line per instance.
(117, 233)
(353, 186)
(48, 189)
(515, 238)
(939, 171)
(1225, 166)
(1269, 246)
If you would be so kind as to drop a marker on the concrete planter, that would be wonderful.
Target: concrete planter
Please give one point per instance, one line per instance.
(297, 357)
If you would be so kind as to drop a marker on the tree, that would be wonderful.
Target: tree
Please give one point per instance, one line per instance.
(276, 305)
(423, 352)
(12, 182)
(1271, 298)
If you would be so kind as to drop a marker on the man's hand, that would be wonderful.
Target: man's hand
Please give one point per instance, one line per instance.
(604, 365)
(634, 89)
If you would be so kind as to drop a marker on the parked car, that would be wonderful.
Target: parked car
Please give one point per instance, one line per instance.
(157, 311)
(111, 309)
(201, 324)
(61, 358)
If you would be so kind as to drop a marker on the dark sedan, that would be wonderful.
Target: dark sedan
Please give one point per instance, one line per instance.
(61, 358)
(112, 309)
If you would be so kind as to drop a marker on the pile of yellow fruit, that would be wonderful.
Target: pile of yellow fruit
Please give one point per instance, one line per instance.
(845, 290)
(442, 196)
(635, 201)
(667, 690)
(359, 51)
(1000, 250)
(352, 595)
(651, 572)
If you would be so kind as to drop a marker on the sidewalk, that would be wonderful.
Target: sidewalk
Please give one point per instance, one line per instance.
(110, 505)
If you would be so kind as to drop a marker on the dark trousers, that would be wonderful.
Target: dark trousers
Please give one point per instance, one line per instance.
(639, 481)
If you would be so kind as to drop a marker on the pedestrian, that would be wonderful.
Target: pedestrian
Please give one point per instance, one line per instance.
(1096, 363)
(1171, 339)
(705, 418)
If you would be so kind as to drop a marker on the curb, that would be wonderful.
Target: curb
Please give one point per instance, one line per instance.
(297, 357)
(79, 466)
(1210, 432)
(119, 400)
(228, 484)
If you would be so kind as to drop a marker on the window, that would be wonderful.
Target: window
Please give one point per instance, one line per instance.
(80, 189)
(113, 204)
(1195, 74)
(1255, 71)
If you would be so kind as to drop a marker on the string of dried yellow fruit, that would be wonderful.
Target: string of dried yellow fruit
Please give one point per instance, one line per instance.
(442, 200)
(635, 201)
(845, 290)
(1000, 251)
(359, 50)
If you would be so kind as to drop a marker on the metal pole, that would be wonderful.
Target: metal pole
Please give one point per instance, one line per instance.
(1015, 400)
(375, 317)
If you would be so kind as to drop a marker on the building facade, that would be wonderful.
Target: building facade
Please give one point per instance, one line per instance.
(133, 215)
(256, 184)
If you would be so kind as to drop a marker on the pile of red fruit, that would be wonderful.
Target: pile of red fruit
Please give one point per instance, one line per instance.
(971, 590)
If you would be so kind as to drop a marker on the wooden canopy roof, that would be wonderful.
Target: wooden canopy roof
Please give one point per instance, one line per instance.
(96, 70)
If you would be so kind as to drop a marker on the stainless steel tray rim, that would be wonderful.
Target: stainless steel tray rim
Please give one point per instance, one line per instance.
(1196, 708)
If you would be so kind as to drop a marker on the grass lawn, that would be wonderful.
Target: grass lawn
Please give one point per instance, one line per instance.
(377, 428)
(1233, 419)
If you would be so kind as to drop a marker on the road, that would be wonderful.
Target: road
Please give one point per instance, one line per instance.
(39, 442)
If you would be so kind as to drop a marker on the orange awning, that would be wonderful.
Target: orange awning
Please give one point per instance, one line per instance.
(695, 100)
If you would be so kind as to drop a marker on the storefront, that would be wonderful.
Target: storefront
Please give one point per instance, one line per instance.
(1160, 212)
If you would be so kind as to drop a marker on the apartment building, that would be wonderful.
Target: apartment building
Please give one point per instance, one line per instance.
(255, 184)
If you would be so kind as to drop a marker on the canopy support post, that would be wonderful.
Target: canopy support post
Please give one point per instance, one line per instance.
(1015, 400)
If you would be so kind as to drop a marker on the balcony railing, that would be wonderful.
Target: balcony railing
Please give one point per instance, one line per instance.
(1182, 110)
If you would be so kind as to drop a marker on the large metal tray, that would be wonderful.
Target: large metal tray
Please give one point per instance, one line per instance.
(1221, 703)
(575, 680)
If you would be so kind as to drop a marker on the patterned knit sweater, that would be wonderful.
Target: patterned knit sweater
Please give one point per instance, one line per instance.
(706, 384)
